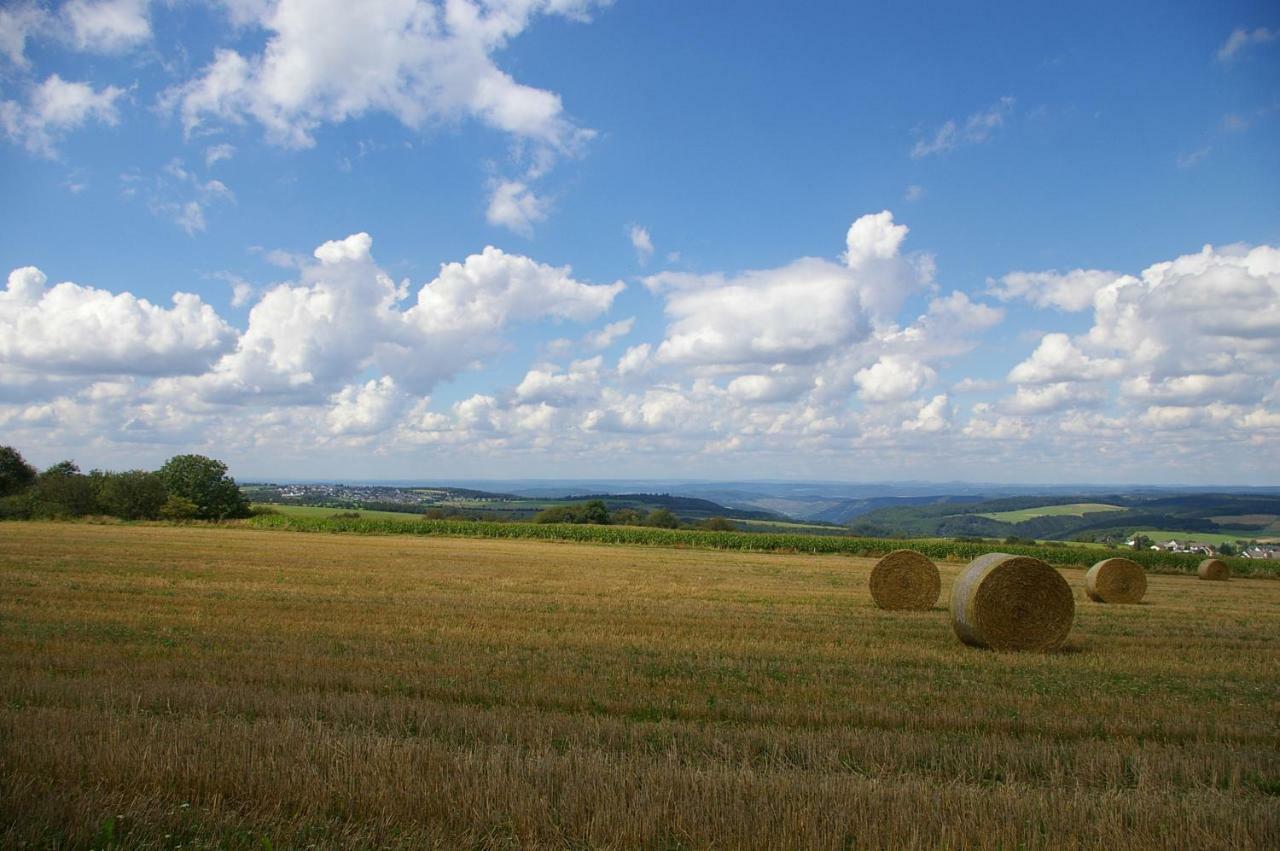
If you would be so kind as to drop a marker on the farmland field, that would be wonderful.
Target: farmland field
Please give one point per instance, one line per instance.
(1073, 555)
(315, 511)
(748, 525)
(1074, 509)
(256, 688)
(325, 511)
(1270, 523)
(1162, 535)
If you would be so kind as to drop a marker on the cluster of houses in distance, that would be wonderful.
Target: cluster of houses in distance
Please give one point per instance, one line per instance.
(1263, 551)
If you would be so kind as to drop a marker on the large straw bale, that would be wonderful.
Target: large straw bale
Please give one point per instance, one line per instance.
(1215, 569)
(1008, 602)
(905, 579)
(1116, 580)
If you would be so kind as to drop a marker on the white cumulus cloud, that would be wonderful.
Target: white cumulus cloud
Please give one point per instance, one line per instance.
(424, 63)
(107, 26)
(1070, 291)
(635, 359)
(893, 378)
(547, 384)
(813, 368)
(363, 409)
(931, 417)
(1058, 359)
(609, 334)
(55, 107)
(344, 315)
(1201, 329)
(68, 329)
(326, 61)
(796, 313)
(514, 206)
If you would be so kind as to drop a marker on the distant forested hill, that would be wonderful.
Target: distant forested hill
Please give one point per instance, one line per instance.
(1072, 517)
(684, 507)
(486, 504)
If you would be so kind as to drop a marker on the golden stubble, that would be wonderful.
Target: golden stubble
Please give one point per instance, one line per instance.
(224, 685)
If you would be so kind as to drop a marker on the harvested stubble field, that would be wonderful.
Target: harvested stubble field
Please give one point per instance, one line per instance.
(250, 688)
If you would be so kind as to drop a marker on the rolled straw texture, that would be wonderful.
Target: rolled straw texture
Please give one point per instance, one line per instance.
(1116, 580)
(1212, 568)
(905, 579)
(1008, 602)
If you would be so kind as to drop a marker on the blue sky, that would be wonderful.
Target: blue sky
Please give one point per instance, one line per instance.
(842, 241)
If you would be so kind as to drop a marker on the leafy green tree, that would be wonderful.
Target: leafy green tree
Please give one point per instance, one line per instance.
(1226, 549)
(204, 482)
(556, 514)
(1141, 542)
(626, 517)
(16, 506)
(594, 511)
(61, 491)
(131, 495)
(63, 468)
(179, 508)
(16, 475)
(718, 524)
(662, 518)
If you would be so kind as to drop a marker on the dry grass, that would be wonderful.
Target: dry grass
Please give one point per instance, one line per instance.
(167, 686)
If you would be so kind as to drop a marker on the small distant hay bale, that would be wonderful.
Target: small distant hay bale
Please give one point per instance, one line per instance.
(1116, 580)
(905, 579)
(1214, 569)
(1008, 602)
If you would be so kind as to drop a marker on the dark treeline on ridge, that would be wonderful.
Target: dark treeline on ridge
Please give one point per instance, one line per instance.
(186, 487)
(596, 512)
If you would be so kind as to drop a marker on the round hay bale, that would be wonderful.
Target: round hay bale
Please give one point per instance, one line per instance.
(905, 579)
(1215, 569)
(1007, 602)
(1116, 580)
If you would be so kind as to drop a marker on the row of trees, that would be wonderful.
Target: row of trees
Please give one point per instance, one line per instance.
(597, 512)
(187, 487)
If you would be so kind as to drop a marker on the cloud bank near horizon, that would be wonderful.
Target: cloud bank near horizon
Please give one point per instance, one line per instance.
(819, 366)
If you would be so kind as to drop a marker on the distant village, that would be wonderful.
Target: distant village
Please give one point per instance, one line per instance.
(313, 494)
(1261, 551)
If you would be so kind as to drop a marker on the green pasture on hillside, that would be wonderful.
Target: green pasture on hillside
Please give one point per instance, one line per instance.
(1074, 509)
(1159, 536)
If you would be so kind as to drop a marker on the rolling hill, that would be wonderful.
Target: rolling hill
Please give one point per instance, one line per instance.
(1232, 516)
